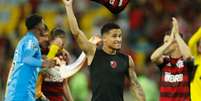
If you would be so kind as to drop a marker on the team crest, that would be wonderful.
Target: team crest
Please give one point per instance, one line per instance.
(113, 64)
(180, 64)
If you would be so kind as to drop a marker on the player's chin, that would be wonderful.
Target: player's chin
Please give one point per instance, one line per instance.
(117, 47)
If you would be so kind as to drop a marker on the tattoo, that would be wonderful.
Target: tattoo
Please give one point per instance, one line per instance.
(135, 86)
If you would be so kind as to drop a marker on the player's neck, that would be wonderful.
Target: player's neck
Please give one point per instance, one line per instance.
(109, 50)
(35, 33)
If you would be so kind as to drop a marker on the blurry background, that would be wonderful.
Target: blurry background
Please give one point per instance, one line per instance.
(143, 21)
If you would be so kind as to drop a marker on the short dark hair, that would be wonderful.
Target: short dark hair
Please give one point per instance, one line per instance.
(32, 21)
(57, 32)
(109, 26)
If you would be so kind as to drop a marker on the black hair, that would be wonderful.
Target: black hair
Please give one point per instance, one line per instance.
(109, 26)
(57, 32)
(32, 21)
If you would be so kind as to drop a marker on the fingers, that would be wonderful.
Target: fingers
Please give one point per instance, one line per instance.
(174, 19)
(67, 2)
(175, 28)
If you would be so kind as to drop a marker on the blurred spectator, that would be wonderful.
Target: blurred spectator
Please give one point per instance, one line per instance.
(79, 87)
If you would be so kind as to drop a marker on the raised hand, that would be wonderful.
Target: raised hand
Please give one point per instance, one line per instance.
(175, 26)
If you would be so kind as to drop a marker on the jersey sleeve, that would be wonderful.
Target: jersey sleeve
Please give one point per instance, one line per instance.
(165, 61)
(193, 42)
(191, 67)
(30, 50)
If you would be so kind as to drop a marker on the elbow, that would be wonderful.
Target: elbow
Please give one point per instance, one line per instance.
(153, 58)
(188, 57)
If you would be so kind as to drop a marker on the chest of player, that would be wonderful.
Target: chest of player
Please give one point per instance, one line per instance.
(109, 69)
(175, 71)
(110, 64)
(54, 75)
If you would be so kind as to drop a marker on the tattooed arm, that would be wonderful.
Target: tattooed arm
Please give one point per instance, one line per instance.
(136, 88)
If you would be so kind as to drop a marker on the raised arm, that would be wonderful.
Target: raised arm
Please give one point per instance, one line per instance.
(193, 42)
(80, 37)
(136, 88)
(157, 55)
(183, 47)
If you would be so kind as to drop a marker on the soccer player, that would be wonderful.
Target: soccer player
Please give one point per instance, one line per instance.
(195, 46)
(108, 67)
(55, 87)
(27, 62)
(175, 62)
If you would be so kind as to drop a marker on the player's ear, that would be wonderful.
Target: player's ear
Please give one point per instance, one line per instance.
(115, 6)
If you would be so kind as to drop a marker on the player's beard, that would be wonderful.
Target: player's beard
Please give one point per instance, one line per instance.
(115, 49)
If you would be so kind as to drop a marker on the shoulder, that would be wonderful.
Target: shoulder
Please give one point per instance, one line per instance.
(29, 38)
(123, 55)
(99, 51)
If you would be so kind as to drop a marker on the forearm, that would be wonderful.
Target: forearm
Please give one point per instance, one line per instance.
(29, 60)
(159, 52)
(184, 49)
(72, 20)
(80, 37)
(136, 88)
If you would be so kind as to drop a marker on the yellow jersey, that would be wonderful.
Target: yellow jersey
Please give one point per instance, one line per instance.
(195, 86)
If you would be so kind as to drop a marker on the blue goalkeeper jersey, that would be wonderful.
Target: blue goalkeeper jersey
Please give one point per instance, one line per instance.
(23, 74)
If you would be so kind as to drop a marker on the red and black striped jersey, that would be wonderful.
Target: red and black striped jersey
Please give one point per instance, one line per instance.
(174, 80)
(115, 6)
(52, 88)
